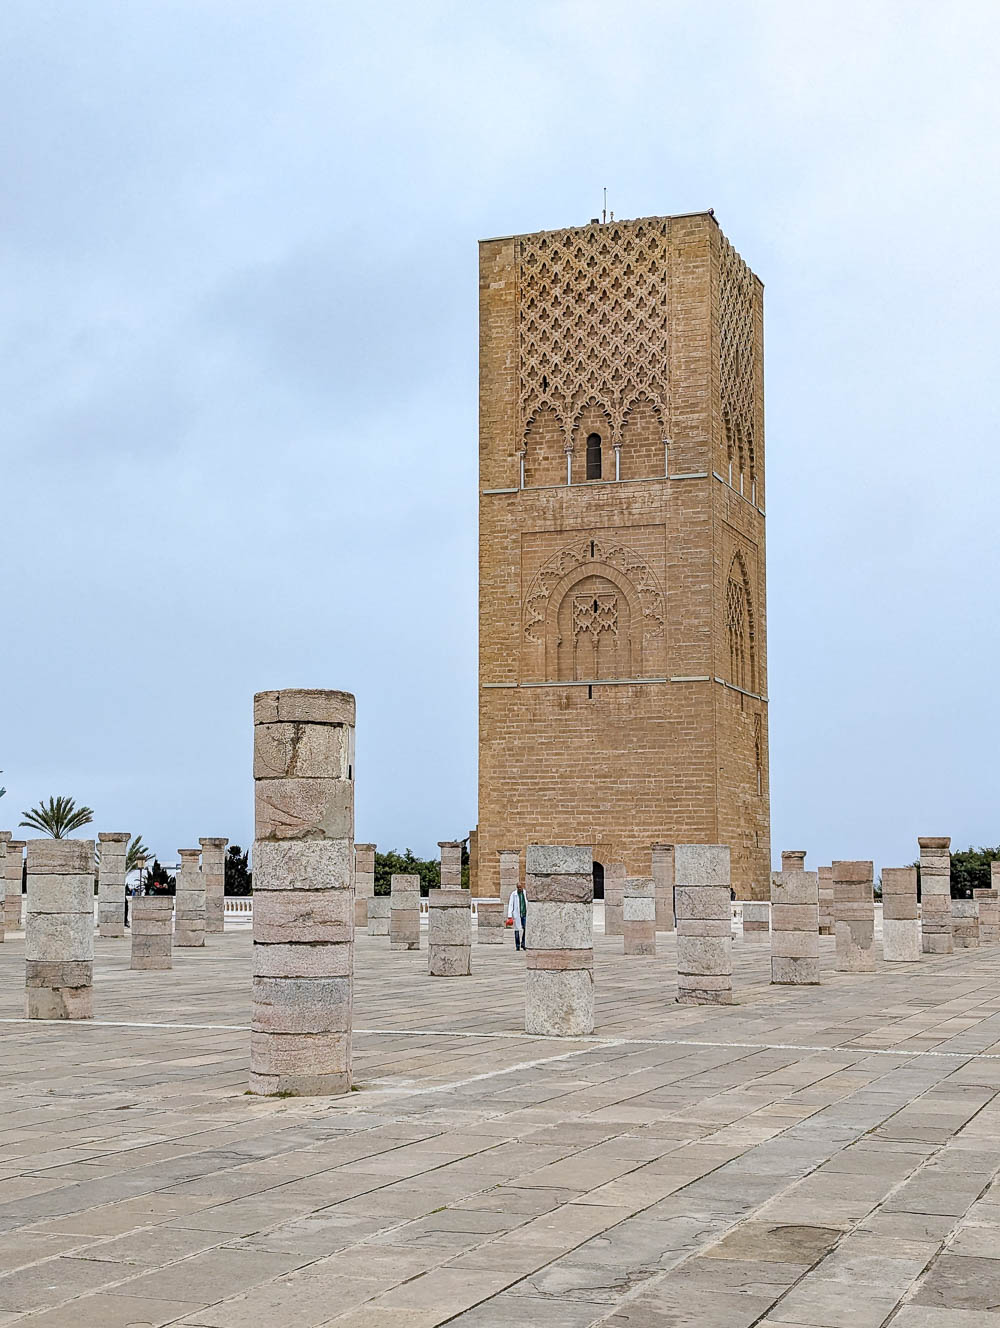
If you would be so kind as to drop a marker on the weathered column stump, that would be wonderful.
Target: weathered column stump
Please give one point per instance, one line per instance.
(826, 920)
(663, 878)
(152, 932)
(965, 924)
(614, 897)
(559, 977)
(704, 924)
(756, 920)
(364, 882)
(213, 870)
(451, 864)
(59, 929)
(449, 934)
(378, 915)
(794, 923)
(989, 914)
(935, 895)
(489, 921)
(404, 913)
(111, 883)
(854, 911)
(639, 916)
(189, 906)
(900, 915)
(303, 915)
(14, 882)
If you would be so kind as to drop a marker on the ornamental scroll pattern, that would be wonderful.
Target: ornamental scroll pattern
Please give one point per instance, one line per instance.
(588, 556)
(737, 351)
(592, 320)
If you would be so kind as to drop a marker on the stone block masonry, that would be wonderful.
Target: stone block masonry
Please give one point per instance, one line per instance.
(404, 914)
(303, 916)
(989, 914)
(794, 923)
(900, 915)
(663, 879)
(559, 977)
(59, 929)
(152, 932)
(189, 907)
(378, 915)
(614, 895)
(449, 934)
(965, 924)
(756, 920)
(854, 913)
(704, 926)
(213, 869)
(935, 895)
(13, 880)
(639, 916)
(490, 915)
(451, 864)
(826, 922)
(111, 883)
(364, 882)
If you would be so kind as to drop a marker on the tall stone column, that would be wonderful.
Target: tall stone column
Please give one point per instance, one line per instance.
(965, 924)
(639, 916)
(935, 895)
(13, 894)
(663, 879)
(474, 863)
(449, 934)
(614, 896)
(378, 915)
(826, 922)
(794, 923)
(900, 915)
(111, 883)
(59, 929)
(404, 913)
(213, 869)
(364, 882)
(854, 911)
(756, 920)
(559, 977)
(189, 909)
(989, 914)
(451, 864)
(152, 928)
(303, 915)
(704, 924)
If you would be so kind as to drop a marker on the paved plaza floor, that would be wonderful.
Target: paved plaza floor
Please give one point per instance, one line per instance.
(818, 1156)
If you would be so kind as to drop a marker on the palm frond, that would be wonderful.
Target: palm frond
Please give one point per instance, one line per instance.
(59, 818)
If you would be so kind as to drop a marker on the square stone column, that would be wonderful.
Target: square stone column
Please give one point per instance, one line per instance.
(59, 929)
(794, 923)
(826, 921)
(303, 908)
(900, 915)
(639, 915)
(474, 864)
(152, 928)
(490, 916)
(935, 895)
(404, 913)
(854, 911)
(378, 915)
(111, 883)
(663, 880)
(614, 896)
(989, 914)
(213, 870)
(449, 934)
(965, 924)
(559, 976)
(13, 893)
(364, 882)
(704, 924)
(189, 908)
(451, 864)
(756, 920)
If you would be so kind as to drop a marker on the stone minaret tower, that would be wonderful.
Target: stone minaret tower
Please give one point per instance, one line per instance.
(622, 645)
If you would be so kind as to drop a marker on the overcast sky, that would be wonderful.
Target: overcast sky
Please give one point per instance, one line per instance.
(238, 379)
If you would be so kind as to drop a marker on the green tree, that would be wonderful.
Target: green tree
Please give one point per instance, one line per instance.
(58, 819)
(135, 854)
(238, 878)
(159, 881)
(970, 870)
(405, 864)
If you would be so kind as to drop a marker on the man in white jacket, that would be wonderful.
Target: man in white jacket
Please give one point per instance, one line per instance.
(517, 911)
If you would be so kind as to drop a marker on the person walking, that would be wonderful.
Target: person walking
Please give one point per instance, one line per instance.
(517, 911)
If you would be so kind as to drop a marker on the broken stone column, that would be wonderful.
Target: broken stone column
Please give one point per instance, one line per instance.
(189, 908)
(59, 929)
(794, 923)
(900, 915)
(303, 914)
(826, 923)
(704, 924)
(378, 915)
(490, 915)
(965, 924)
(14, 881)
(213, 870)
(854, 911)
(451, 864)
(364, 882)
(559, 976)
(639, 915)
(449, 934)
(111, 883)
(935, 895)
(404, 913)
(614, 896)
(989, 914)
(663, 878)
(152, 932)
(756, 920)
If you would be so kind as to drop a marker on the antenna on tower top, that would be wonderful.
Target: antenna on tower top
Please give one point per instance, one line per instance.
(604, 210)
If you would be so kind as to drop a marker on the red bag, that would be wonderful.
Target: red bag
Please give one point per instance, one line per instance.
(509, 922)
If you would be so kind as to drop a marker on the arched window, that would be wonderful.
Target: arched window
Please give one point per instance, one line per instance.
(593, 456)
(598, 880)
(740, 627)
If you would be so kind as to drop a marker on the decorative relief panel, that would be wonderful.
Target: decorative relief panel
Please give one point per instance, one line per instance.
(738, 377)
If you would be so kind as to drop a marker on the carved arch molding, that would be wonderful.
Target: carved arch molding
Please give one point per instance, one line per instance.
(594, 610)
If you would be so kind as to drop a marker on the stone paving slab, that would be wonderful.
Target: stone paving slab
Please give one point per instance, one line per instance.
(819, 1156)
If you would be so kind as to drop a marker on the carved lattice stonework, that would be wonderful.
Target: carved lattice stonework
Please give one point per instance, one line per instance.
(590, 555)
(595, 614)
(592, 320)
(740, 626)
(738, 359)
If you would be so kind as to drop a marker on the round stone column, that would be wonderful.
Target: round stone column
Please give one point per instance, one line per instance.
(303, 914)
(59, 929)
(639, 916)
(559, 977)
(213, 870)
(704, 925)
(449, 934)
(935, 895)
(189, 909)
(152, 932)
(900, 917)
(111, 883)
(404, 912)
(854, 911)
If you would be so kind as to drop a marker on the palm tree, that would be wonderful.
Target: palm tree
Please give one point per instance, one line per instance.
(59, 819)
(136, 855)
